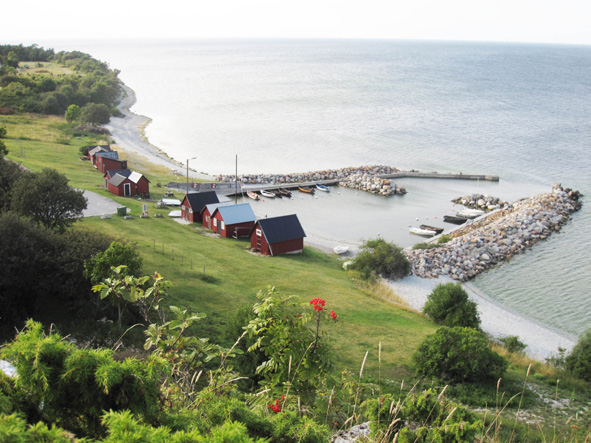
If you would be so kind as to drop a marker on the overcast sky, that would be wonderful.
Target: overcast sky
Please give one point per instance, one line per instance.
(546, 21)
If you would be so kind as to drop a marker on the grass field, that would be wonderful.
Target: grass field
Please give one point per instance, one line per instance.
(45, 68)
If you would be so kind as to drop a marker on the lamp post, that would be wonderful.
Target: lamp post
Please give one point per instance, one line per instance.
(192, 158)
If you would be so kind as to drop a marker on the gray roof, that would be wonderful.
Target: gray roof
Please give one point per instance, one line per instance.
(109, 154)
(112, 172)
(117, 179)
(100, 148)
(234, 214)
(213, 206)
(198, 200)
(279, 229)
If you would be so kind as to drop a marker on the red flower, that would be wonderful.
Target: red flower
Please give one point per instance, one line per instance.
(275, 407)
(333, 314)
(318, 304)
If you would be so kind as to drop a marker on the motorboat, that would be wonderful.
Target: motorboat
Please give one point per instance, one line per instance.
(322, 187)
(454, 219)
(253, 195)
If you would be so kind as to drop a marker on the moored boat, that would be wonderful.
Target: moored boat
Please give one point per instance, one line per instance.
(419, 231)
(432, 228)
(284, 192)
(454, 219)
(252, 195)
(268, 194)
(340, 249)
(322, 187)
(306, 189)
(470, 213)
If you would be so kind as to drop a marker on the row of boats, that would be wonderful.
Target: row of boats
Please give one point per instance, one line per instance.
(284, 192)
(460, 218)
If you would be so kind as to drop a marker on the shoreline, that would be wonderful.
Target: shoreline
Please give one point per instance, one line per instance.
(498, 320)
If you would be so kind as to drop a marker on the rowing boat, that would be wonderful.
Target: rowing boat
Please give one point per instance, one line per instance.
(322, 187)
(267, 194)
(306, 189)
(419, 231)
(252, 195)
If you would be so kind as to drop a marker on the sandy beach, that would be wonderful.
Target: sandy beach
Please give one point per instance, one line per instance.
(497, 320)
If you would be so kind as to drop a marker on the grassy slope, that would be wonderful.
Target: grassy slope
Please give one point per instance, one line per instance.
(237, 274)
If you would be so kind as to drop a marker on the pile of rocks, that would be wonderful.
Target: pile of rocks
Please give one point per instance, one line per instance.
(480, 201)
(497, 237)
(370, 183)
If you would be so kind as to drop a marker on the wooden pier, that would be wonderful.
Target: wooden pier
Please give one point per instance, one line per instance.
(460, 176)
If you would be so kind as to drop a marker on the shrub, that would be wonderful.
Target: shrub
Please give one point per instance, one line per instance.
(381, 258)
(513, 344)
(457, 355)
(578, 362)
(448, 305)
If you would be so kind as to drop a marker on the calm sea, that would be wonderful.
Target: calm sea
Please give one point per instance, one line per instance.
(518, 111)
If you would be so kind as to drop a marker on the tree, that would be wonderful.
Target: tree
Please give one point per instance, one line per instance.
(96, 114)
(73, 113)
(457, 355)
(46, 198)
(98, 268)
(578, 362)
(3, 148)
(382, 258)
(448, 305)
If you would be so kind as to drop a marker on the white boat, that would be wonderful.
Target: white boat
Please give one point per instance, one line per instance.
(340, 249)
(267, 194)
(470, 213)
(252, 195)
(423, 232)
(322, 187)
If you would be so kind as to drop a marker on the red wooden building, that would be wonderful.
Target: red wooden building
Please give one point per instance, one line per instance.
(94, 150)
(110, 174)
(278, 235)
(126, 186)
(109, 161)
(233, 220)
(207, 212)
(194, 202)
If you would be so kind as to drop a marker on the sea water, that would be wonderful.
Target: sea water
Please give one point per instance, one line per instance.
(519, 111)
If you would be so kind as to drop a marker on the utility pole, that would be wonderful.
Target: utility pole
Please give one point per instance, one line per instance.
(192, 158)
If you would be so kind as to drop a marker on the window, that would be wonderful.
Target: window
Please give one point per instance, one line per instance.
(223, 225)
(259, 233)
(215, 222)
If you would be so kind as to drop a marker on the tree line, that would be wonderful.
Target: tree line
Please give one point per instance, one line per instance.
(27, 88)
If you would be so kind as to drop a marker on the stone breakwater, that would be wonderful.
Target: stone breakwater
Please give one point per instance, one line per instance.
(363, 178)
(496, 237)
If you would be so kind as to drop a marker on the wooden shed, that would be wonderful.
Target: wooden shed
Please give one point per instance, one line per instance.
(207, 212)
(278, 235)
(108, 161)
(110, 174)
(233, 220)
(133, 184)
(194, 202)
(94, 150)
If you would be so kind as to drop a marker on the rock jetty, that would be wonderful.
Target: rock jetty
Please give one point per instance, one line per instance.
(496, 237)
(364, 178)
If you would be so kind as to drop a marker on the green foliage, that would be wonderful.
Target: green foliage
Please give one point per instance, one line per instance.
(96, 114)
(294, 354)
(448, 305)
(42, 273)
(444, 238)
(46, 198)
(513, 344)
(14, 429)
(288, 427)
(578, 362)
(424, 245)
(73, 113)
(98, 268)
(72, 387)
(9, 174)
(458, 354)
(377, 257)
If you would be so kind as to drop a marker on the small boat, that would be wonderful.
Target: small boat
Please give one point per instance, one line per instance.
(432, 228)
(322, 187)
(470, 213)
(423, 232)
(267, 194)
(284, 192)
(305, 189)
(454, 219)
(340, 249)
(253, 195)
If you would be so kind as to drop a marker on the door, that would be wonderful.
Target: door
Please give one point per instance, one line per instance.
(126, 189)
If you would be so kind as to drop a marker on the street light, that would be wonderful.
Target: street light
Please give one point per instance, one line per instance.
(192, 158)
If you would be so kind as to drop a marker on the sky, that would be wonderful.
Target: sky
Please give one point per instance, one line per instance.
(542, 21)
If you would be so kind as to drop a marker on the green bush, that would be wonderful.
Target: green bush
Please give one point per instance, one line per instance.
(377, 257)
(578, 362)
(513, 344)
(448, 305)
(457, 355)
